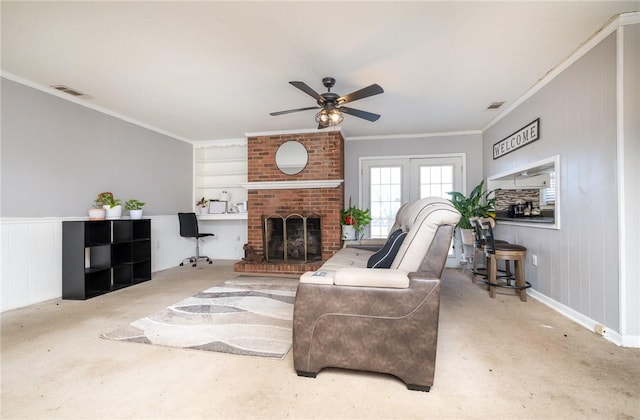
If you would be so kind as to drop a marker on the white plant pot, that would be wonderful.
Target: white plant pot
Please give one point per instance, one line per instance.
(468, 236)
(97, 214)
(348, 233)
(135, 214)
(204, 210)
(114, 212)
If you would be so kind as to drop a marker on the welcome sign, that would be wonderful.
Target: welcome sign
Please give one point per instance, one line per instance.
(522, 137)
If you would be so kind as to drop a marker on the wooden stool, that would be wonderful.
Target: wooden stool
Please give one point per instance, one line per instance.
(478, 248)
(507, 252)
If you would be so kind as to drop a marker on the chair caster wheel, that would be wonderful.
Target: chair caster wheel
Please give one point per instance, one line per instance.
(210, 261)
(193, 265)
(181, 264)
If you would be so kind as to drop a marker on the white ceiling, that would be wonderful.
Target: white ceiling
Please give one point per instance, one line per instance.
(215, 69)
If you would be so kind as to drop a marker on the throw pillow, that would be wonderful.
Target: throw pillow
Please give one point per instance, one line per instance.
(385, 256)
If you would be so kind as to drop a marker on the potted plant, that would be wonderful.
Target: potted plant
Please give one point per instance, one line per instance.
(202, 205)
(134, 207)
(97, 212)
(477, 204)
(112, 205)
(353, 221)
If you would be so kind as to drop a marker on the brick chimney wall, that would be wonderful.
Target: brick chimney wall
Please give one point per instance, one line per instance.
(326, 162)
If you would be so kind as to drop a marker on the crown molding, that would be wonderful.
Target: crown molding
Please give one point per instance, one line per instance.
(84, 103)
(605, 30)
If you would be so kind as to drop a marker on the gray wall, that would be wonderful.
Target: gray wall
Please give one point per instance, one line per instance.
(57, 156)
(471, 144)
(578, 264)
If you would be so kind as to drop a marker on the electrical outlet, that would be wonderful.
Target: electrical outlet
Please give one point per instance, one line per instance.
(534, 260)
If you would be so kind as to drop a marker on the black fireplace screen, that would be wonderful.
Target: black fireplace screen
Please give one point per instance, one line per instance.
(292, 238)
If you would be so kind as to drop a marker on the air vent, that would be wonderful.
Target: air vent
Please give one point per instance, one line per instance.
(73, 92)
(495, 105)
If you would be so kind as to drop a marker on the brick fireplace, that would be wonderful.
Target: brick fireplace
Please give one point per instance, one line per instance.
(317, 190)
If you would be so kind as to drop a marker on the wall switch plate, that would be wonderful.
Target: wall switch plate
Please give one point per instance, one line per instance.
(534, 260)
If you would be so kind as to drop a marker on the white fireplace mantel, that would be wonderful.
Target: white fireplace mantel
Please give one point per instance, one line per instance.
(292, 185)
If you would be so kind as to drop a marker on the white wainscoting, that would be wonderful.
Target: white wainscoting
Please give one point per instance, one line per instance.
(31, 252)
(31, 264)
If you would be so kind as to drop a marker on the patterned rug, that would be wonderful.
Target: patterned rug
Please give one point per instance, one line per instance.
(247, 315)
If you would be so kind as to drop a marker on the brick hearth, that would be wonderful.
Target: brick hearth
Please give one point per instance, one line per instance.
(326, 162)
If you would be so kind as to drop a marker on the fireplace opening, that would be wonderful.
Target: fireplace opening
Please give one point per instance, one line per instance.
(292, 238)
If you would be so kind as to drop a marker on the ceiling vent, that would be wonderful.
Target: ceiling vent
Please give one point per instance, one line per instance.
(495, 105)
(73, 92)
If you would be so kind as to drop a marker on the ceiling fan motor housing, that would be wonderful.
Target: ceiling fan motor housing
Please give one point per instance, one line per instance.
(328, 82)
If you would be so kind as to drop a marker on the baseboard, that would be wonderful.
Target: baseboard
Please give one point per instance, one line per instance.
(588, 323)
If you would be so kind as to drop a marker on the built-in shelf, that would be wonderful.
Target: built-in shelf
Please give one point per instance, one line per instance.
(221, 167)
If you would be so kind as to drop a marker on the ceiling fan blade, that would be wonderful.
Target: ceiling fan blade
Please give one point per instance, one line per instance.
(370, 116)
(306, 89)
(370, 90)
(289, 111)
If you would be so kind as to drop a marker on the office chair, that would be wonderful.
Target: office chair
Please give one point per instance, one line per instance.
(189, 229)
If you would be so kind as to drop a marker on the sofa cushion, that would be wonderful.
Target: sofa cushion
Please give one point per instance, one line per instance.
(384, 257)
(348, 257)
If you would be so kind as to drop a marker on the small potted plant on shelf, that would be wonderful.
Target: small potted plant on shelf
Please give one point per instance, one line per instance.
(134, 207)
(477, 204)
(353, 221)
(97, 212)
(112, 205)
(202, 205)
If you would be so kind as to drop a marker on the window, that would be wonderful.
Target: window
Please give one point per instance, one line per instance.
(385, 192)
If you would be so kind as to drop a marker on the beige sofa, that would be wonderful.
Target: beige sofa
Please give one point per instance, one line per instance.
(375, 319)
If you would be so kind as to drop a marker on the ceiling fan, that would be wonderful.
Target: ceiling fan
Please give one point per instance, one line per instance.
(331, 105)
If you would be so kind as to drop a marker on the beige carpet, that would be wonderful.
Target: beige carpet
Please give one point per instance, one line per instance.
(497, 359)
(249, 316)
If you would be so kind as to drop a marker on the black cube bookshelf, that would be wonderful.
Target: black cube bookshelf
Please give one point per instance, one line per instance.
(105, 255)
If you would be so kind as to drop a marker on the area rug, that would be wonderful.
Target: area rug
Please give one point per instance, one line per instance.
(247, 315)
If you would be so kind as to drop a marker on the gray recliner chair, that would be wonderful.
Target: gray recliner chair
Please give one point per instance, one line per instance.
(390, 327)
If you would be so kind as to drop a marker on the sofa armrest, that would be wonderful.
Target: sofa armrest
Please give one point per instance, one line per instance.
(371, 277)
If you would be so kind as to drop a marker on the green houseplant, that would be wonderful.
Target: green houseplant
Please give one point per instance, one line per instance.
(477, 204)
(134, 207)
(353, 221)
(112, 205)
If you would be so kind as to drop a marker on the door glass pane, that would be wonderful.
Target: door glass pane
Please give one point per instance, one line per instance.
(386, 197)
(436, 181)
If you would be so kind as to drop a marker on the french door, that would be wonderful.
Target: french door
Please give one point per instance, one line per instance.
(388, 183)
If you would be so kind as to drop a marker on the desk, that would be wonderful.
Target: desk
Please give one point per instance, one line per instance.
(223, 216)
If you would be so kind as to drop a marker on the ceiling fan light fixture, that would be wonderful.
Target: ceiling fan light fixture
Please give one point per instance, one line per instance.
(329, 117)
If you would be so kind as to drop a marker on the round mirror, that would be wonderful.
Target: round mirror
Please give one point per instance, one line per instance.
(291, 157)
